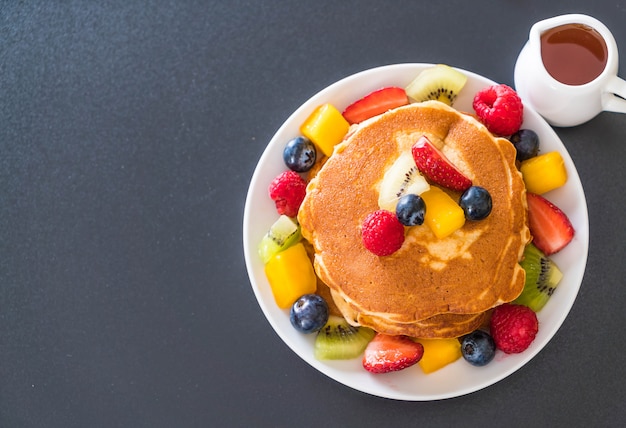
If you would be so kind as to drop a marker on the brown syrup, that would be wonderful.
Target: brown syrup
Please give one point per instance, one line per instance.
(574, 54)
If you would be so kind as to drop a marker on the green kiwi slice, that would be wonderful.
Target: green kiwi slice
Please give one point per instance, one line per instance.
(282, 234)
(338, 340)
(542, 278)
(402, 178)
(440, 82)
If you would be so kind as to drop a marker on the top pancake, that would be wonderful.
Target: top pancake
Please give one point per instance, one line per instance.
(469, 272)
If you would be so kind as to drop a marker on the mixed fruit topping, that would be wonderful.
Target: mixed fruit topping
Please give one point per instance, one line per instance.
(513, 327)
(500, 109)
(478, 348)
(433, 164)
(382, 233)
(411, 195)
(288, 191)
(387, 353)
(375, 103)
(549, 226)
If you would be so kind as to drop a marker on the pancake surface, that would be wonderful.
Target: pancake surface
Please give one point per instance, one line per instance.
(430, 287)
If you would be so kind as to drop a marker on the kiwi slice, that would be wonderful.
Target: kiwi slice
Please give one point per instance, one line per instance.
(402, 178)
(441, 82)
(282, 234)
(542, 278)
(338, 340)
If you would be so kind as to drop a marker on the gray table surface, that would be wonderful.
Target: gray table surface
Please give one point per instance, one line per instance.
(129, 131)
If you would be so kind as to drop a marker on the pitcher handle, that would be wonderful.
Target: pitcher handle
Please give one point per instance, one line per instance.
(615, 97)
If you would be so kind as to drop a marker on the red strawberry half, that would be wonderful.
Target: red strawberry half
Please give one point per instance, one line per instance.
(387, 353)
(375, 103)
(549, 226)
(436, 167)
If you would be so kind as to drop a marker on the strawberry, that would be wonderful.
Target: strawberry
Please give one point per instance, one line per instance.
(287, 191)
(436, 167)
(550, 227)
(382, 233)
(387, 353)
(375, 103)
(500, 109)
(513, 327)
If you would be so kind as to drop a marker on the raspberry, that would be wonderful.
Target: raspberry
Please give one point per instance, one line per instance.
(500, 109)
(513, 327)
(287, 191)
(382, 233)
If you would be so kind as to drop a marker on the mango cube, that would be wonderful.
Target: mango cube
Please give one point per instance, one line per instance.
(443, 215)
(439, 353)
(290, 274)
(325, 127)
(544, 172)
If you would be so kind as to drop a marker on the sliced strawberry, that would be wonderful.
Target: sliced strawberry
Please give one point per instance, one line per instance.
(549, 226)
(436, 167)
(387, 353)
(375, 103)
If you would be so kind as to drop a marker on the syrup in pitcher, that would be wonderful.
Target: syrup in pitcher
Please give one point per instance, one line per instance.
(573, 54)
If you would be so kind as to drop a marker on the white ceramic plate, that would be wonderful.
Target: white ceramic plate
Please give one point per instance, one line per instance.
(412, 384)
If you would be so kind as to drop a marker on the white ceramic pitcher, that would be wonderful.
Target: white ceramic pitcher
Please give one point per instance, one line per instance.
(563, 104)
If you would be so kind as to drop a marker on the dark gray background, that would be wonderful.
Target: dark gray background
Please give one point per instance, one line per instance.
(129, 131)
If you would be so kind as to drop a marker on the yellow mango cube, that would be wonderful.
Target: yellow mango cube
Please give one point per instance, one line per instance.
(325, 127)
(439, 353)
(443, 215)
(291, 275)
(544, 172)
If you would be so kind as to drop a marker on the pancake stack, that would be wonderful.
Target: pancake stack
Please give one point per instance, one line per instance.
(431, 287)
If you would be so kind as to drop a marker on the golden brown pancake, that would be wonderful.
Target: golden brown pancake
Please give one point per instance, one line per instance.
(437, 326)
(430, 287)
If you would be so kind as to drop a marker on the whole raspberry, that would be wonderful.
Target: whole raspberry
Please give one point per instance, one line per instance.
(500, 109)
(287, 191)
(513, 327)
(382, 233)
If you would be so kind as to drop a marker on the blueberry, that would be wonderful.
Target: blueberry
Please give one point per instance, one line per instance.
(478, 348)
(476, 203)
(299, 154)
(526, 142)
(410, 210)
(309, 313)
